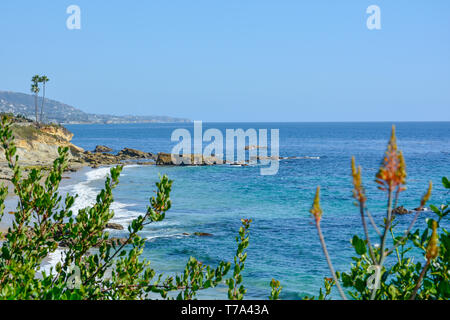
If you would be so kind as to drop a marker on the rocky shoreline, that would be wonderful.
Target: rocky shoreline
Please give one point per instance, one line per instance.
(37, 147)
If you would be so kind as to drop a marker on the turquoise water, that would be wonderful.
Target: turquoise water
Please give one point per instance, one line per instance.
(284, 244)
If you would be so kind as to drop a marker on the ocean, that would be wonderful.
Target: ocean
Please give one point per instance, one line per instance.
(283, 241)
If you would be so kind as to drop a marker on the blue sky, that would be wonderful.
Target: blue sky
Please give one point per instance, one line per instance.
(234, 60)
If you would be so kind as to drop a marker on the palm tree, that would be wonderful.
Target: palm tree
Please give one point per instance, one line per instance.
(44, 80)
(35, 90)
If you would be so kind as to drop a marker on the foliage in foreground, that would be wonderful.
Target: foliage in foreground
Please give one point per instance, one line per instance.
(370, 276)
(93, 265)
(96, 266)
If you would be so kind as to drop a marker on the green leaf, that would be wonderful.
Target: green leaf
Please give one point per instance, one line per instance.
(446, 182)
(435, 209)
(359, 245)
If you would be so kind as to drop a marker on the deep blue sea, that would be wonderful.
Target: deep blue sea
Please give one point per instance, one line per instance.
(283, 241)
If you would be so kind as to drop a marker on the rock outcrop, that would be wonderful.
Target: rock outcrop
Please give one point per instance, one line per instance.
(95, 159)
(102, 149)
(170, 159)
(198, 234)
(39, 145)
(128, 153)
(401, 210)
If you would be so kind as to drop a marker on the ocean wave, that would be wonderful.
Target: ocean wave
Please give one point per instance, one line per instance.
(128, 166)
(97, 174)
(122, 215)
(52, 259)
(87, 195)
(166, 236)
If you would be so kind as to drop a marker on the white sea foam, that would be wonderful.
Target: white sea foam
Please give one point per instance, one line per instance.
(97, 174)
(174, 235)
(87, 197)
(51, 260)
(87, 194)
(122, 215)
(87, 191)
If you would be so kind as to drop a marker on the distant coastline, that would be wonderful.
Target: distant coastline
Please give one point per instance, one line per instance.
(57, 112)
(125, 122)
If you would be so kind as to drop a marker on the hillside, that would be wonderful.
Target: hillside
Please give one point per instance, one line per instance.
(58, 112)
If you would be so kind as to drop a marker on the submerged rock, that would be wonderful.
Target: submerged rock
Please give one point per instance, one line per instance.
(202, 234)
(401, 210)
(198, 234)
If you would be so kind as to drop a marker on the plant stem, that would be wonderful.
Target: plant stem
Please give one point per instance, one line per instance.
(422, 275)
(373, 223)
(386, 228)
(327, 256)
(361, 210)
(396, 249)
(383, 238)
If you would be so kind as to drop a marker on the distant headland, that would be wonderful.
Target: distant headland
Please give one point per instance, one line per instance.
(57, 112)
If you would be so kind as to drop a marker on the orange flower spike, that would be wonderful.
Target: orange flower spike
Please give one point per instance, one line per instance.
(353, 167)
(358, 191)
(427, 195)
(393, 140)
(392, 172)
(401, 171)
(433, 248)
(316, 210)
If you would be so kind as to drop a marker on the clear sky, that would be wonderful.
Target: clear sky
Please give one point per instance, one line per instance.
(235, 60)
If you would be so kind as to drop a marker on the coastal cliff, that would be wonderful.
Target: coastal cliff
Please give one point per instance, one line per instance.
(38, 146)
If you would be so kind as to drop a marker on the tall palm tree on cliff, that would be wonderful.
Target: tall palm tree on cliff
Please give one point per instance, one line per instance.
(35, 90)
(44, 80)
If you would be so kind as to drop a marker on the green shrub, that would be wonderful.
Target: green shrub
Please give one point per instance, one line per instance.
(94, 265)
